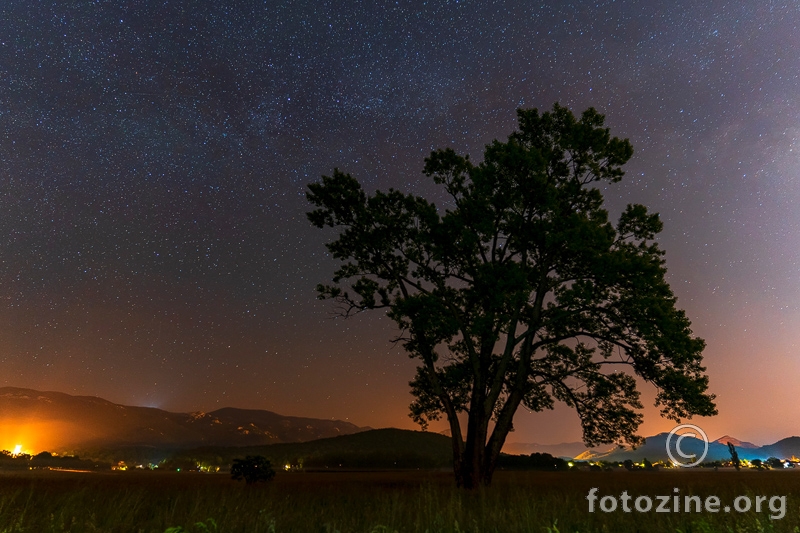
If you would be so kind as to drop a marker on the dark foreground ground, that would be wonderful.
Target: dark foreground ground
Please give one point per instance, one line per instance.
(416, 501)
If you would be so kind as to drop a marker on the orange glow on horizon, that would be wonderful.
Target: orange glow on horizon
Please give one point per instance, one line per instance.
(34, 436)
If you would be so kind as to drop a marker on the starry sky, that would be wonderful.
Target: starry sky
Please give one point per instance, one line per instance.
(154, 157)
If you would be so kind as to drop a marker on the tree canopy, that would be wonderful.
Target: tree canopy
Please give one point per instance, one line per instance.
(520, 290)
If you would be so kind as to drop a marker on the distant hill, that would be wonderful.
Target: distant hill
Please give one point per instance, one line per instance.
(725, 439)
(654, 449)
(564, 449)
(783, 449)
(578, 450)
(376, 448)
(59, 422)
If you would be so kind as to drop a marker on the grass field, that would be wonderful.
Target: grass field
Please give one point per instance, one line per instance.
(43, 501)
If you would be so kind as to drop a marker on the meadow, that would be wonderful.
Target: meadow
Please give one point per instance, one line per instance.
(379, 502)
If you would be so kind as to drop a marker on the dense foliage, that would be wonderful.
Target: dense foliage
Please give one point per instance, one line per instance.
(521, 291)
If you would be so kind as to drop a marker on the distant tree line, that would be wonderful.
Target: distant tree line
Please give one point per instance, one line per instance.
(534, 461)
(9, 461)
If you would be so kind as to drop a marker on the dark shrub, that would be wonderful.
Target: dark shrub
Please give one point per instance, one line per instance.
(252, 469)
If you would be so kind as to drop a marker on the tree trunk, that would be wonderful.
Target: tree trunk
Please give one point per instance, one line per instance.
(475, 467)
(475, 463)
(469, 467)
(469, 472)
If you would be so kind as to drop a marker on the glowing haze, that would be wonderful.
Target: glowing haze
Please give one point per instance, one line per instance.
(34, 436)
(154, 158)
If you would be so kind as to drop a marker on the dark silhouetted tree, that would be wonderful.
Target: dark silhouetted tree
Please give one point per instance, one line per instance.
(252, 469)
(734, 456)
(519, 291)
(774, 462)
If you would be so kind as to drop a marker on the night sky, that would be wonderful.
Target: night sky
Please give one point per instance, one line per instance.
(154, 158)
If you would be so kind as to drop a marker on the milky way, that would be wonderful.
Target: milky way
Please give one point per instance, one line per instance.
(154, 157)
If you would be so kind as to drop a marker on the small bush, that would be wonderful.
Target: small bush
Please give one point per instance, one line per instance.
(252, 469)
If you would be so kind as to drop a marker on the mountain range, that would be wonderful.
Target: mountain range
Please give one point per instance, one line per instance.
(654, 449)
(58, 422)
(61, 423)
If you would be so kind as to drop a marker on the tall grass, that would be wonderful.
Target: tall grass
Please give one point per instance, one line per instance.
(377, 502)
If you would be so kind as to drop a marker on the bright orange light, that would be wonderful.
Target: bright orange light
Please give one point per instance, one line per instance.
(18, 449)
(54, 436)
